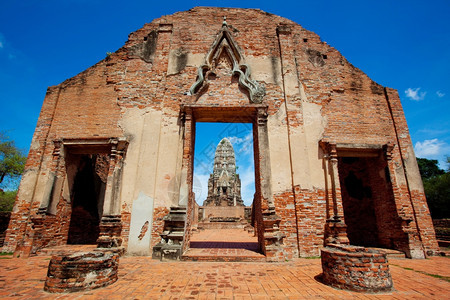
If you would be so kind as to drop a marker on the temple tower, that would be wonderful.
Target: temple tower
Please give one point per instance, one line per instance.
(224, 185)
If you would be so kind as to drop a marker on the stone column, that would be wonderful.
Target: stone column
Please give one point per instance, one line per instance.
(111, 223)
(60, 176)
(186, 196)
(335, 228)
(49, 201)
(186, 164)
(272, 236)
(264, 160)
(51, 198)
(412, 246)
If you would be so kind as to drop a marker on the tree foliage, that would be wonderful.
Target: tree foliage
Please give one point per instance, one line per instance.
(7, 199)
(436, 183)
(12, 159)
(437, 190)
(429, 168)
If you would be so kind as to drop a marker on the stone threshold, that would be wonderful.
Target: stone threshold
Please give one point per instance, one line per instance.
(390, 253)
(222, 254)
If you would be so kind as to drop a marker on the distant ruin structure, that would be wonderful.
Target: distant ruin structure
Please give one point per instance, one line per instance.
(113, 148)
(224, 184)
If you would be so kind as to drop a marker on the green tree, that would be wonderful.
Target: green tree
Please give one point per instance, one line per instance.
(429, 168)
(437, 190)
(436, 183)
(12, 159)
(7, 199)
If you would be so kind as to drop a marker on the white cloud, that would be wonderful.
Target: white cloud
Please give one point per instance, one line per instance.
(242, 145)
(200, 187)
(247, 185)
(430, 148)
(6, 48)
(433, 149)
(235, 140)
(415, 94)
(434, 131)
(440, 94)
(2, 41)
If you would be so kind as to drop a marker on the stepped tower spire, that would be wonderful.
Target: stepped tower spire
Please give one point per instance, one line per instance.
(224, 184)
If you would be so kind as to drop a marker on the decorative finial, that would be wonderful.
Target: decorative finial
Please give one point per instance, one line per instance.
(224, 23)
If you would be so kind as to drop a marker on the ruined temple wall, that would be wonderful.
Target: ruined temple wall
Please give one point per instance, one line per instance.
(90, 107)
(331, 100)
(86, 107)
(150, 181)
(270, 55)
(313, 94)
(409, 177)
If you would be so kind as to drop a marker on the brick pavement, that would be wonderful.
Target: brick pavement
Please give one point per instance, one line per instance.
(224, 244)
(144, 278)
(224, 235)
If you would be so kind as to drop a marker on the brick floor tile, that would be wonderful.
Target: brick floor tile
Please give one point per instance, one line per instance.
(144, 278)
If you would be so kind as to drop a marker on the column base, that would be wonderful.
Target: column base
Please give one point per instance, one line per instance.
(336, 232)
(110, 230)
(273, 237)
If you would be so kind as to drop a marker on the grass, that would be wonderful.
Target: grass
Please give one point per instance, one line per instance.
(445, 278)
(6, 255)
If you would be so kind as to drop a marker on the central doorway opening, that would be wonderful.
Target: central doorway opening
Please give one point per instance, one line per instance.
(87, 174)
(224, 190)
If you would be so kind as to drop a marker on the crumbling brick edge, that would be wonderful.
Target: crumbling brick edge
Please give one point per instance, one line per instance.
(81, 271)
(355, 268)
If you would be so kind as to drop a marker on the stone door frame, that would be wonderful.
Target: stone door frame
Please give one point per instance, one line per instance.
(256, 114)
(54, 187)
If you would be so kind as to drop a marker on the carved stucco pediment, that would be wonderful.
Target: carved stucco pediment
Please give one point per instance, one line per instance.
(225, 46)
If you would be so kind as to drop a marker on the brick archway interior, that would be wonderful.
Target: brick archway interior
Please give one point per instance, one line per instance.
(369, 204)
(88, 174)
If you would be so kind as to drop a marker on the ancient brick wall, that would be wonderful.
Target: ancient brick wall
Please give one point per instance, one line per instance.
(158, 224)
(442, 229)
(313, 96)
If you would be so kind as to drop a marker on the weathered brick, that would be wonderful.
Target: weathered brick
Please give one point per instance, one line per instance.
(134, 107)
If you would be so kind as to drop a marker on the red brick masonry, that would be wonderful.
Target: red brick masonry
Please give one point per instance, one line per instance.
(322, 125)
(356, 268)
(81, 271)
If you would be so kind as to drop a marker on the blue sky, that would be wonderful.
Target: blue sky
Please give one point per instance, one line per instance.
(400, 44)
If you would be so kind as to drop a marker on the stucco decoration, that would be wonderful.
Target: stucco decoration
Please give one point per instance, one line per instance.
(225, 45)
